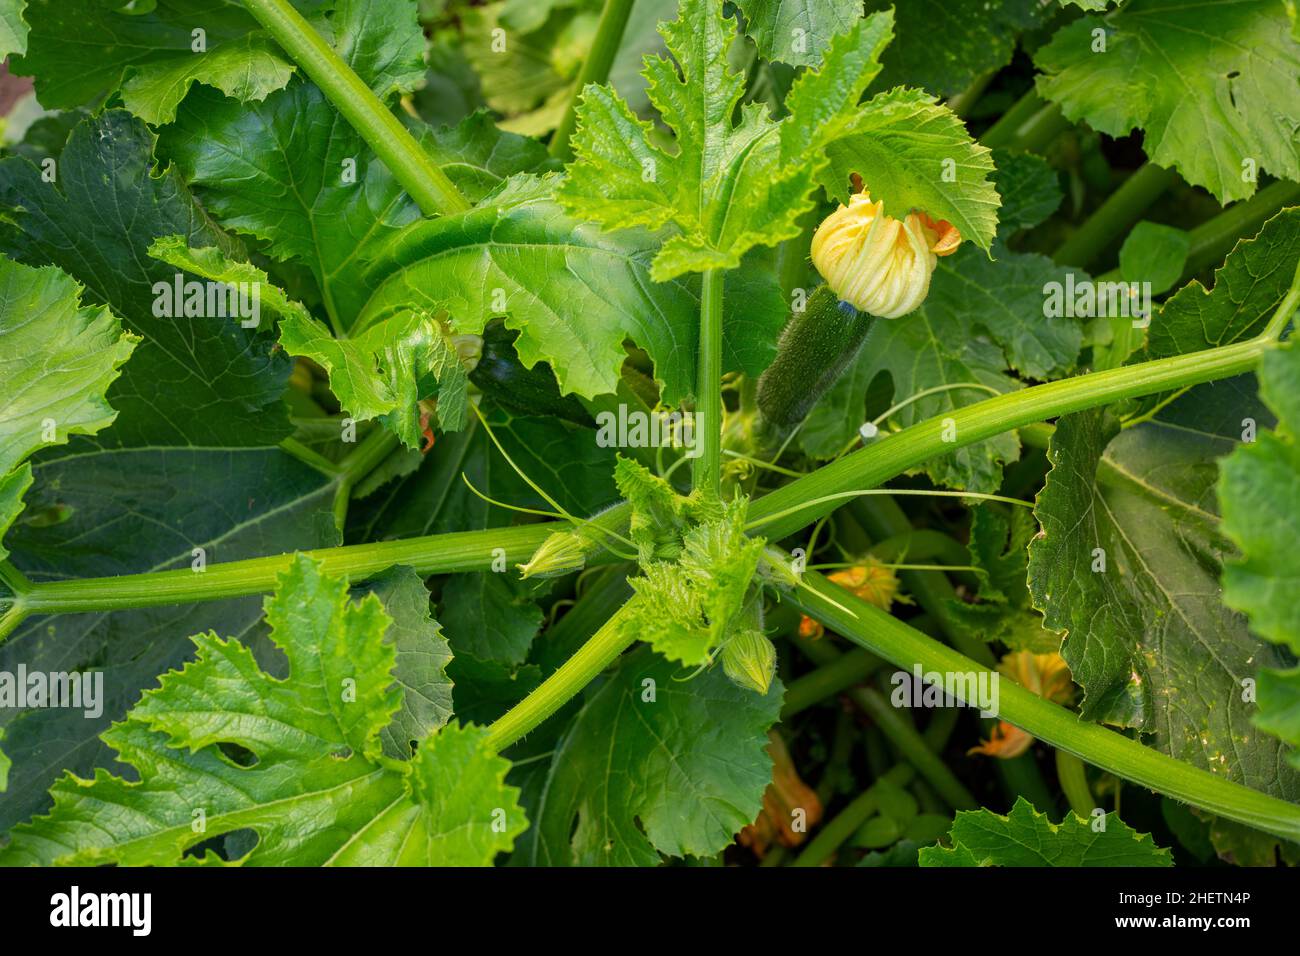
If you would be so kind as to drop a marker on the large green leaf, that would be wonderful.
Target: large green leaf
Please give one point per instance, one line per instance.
(980, 319)
(315, 791)
(645, 745)
(82, 50)
(12, 488)
(915, 153)
(1254, 482)
(576, 294)
(797, 31)
(99, 508)
(1025, 837)
(1127, 566)
(999, 554)
(1212, 86)
(57, 359)
(943, 45)
(490, 616)
(205, 380)
(188, 464)
(725, 188)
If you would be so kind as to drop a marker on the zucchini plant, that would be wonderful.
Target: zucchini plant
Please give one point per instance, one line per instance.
(618, 433)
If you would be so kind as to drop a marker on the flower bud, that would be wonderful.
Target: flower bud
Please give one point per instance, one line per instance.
(876, 263)
(749, 659)
(561, 553)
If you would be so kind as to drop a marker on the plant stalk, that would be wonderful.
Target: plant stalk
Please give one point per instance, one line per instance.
(577, 672)
(708, 386)
(888, 457)
(882, 634)
(1116, 215)
(609, 34)
(419, 175)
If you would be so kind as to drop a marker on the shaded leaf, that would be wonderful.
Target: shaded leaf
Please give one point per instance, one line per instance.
(1127, 566)
(796, 31)
(195, 379)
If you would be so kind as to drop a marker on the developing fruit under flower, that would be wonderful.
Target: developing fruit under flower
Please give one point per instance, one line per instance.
(876, 263)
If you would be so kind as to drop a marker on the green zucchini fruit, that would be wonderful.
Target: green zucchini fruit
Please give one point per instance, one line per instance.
(815, 347)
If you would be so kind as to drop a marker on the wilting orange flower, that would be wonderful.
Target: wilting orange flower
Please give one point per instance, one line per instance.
(876, 263)
(790, 807)
(1048, 676)
(870, 580)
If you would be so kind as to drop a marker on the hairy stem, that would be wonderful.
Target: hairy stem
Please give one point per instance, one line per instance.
(435, 554)
(708, 385)
(609, 34)
(913, 446)
(864, 469)
(419, 175)
(882, 634)
(577, 672)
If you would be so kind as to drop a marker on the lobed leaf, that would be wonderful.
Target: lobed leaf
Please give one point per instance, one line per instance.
(645, 745)
(1025, 837)
(1212, 86)
(296, 761)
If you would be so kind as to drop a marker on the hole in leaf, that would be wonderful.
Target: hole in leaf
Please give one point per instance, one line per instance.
(235, 754)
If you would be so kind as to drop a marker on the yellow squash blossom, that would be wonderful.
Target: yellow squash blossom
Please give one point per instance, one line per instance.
(876, 263)
(790, 806)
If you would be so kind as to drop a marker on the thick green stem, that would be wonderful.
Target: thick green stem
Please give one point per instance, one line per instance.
(873, 629)
(864, 469)
(870, 467)
(609, 34)
(577, 672)
(1031, 124)
(1116, 215)
(436, 554)
(410, 165)
(708, 386)
(883, 518)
